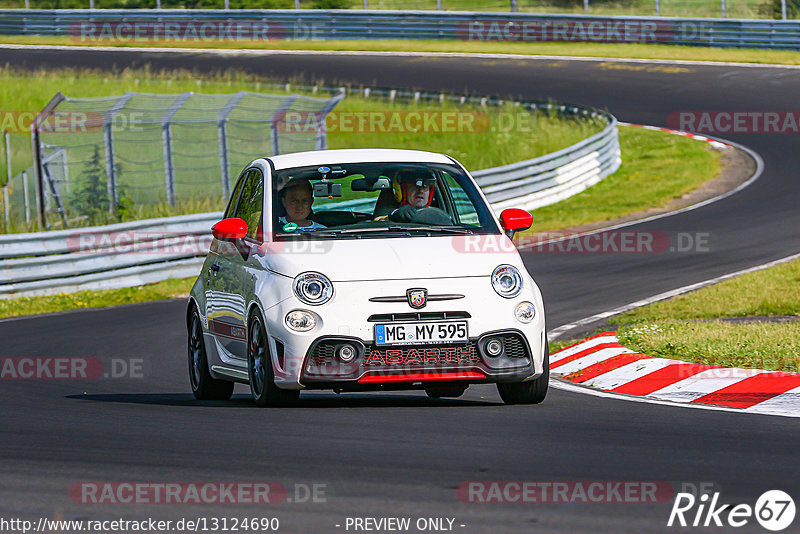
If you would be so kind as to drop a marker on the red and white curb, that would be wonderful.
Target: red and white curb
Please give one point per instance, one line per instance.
(601, 362)
(716, 143)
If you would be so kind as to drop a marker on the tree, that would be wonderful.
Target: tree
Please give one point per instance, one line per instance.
(91, 198)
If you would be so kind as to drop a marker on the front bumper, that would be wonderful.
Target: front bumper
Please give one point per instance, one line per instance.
(416, 366)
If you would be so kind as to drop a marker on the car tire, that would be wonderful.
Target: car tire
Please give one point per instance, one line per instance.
(204, 386)
(259, 368)
(439, 393)
(531, 392)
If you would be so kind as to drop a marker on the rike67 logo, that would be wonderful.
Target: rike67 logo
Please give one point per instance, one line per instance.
(774, 510)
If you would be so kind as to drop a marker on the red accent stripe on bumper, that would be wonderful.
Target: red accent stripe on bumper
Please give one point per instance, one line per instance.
(424, 377)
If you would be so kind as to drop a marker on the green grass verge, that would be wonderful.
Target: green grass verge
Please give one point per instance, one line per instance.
(610, 50)
(771, 346)
(656, 168)
(167, 289)
(684, 328)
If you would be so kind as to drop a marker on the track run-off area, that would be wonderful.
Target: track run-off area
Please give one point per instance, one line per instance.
(402, 454)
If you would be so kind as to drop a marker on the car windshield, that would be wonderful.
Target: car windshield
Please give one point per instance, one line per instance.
(362, 199)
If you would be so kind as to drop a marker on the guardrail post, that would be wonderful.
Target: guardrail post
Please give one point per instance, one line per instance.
(108, 141)
(297, 4)
(166, 139)
(586, 5)
(783, 9)
(513, 6)
(222, 134)
(724, 8)
(658, 8)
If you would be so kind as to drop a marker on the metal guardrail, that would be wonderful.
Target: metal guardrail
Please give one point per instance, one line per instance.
(134, 253)
(109, 25)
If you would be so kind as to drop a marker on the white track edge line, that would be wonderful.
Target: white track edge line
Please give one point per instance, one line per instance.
(574, 388)
(477, 55)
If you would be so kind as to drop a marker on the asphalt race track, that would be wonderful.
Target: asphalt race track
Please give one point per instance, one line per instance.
(403, 454)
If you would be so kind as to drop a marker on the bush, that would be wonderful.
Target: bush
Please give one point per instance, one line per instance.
(772, 9)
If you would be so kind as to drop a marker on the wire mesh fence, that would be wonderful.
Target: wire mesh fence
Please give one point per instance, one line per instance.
(96, 158)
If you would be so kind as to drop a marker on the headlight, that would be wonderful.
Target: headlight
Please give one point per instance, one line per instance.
(507, 281)
(313, 288)
(525, 312)
(299, 320)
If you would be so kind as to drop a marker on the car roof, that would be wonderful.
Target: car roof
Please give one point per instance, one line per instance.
(355, 155)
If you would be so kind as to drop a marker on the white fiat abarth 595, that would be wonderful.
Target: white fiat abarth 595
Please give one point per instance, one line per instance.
(358, 270)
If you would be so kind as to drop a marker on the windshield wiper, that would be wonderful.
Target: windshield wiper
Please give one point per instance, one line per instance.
(445, 229)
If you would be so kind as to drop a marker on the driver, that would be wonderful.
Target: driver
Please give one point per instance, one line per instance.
(414, 190)
(297, 196)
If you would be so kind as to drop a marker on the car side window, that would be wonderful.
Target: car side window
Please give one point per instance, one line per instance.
(251, 203)
(464, 206)
(235, 195)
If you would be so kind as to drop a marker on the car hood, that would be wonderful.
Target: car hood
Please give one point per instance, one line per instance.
(393, 258)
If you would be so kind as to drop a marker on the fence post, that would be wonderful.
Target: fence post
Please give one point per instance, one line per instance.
(158, 4)
(366, 5)
(166, 139)
(297, 4)
(724, 8)
(322, 132)
(279, 114)
(658, 8)
(108, 142)
(6, 211)
(513, 6)
(222, 134)
(36, 146)
(8, 155)
(25, 198)
(586, 5)
(227, 5)
(439, 5)
(783, 9)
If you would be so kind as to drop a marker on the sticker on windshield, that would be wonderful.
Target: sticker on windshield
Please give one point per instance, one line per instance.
(289, 227)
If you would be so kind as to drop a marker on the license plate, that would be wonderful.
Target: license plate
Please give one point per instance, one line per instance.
(421, 333)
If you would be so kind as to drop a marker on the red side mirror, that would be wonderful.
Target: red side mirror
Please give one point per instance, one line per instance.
(514, 219)
(230, 229)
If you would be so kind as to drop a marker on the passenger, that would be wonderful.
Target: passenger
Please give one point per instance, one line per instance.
(296, 197)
